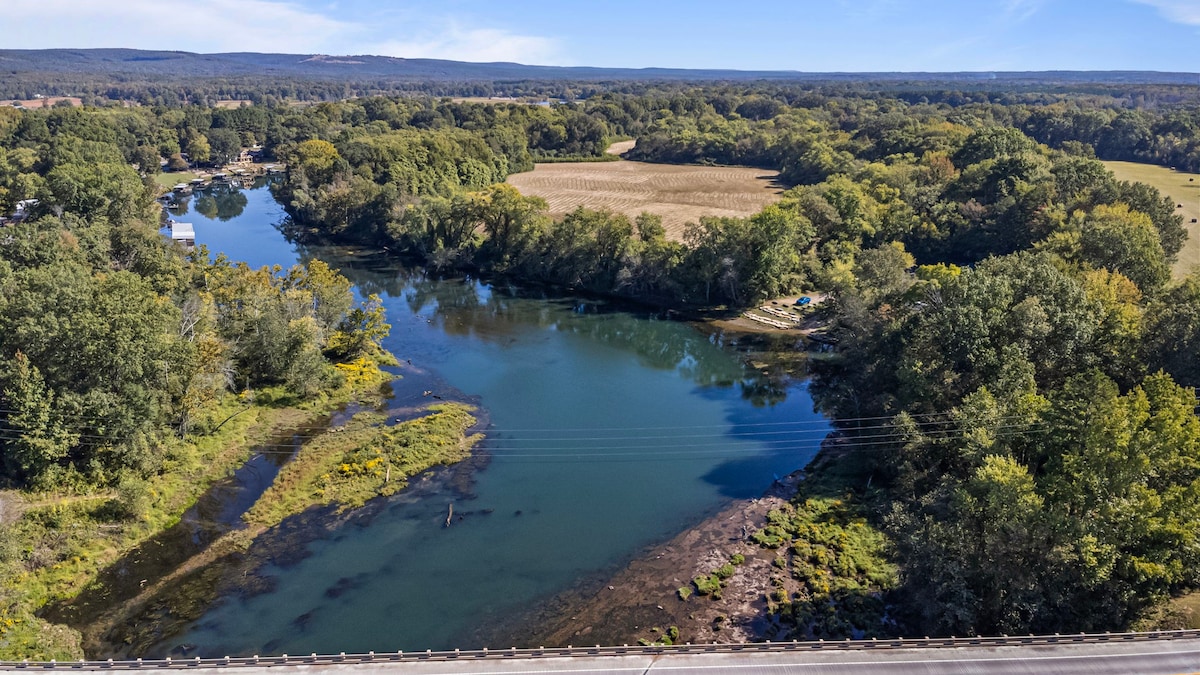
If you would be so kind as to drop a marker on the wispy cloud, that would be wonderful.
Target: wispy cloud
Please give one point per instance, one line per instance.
(1021, 10)
(459, 43)
(260, 26)
(208, 25)
(1179, 11)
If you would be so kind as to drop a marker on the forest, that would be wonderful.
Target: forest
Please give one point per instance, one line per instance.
(112, 336)
(997, 297)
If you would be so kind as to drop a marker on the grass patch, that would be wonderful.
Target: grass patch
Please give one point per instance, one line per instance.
(1174, 184)
(62, 540)
(365, 460)
(171, 179)
(708, 585)
(1181, 613)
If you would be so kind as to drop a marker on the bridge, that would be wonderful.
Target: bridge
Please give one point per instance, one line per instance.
(1162, 652)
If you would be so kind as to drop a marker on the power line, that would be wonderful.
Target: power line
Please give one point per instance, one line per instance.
(821, 426)
(651, 452)
(761, 436)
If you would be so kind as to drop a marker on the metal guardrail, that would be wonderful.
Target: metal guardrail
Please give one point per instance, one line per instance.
(624, 650)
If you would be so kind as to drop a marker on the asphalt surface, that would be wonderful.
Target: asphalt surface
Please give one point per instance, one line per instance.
(1166, 657)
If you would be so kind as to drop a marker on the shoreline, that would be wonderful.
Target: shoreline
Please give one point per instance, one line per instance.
(641, 600)
(178, 558)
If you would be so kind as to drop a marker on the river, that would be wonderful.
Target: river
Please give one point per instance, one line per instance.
(610, 429)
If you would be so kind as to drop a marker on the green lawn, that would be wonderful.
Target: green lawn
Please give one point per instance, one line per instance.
(1176, 185)
(170, 180)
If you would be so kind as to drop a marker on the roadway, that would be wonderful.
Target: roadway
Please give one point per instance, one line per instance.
(1151, 657)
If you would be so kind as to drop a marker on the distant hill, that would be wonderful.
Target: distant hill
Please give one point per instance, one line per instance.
(27, 64)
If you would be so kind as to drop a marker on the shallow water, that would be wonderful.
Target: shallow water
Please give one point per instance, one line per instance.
(610, 430)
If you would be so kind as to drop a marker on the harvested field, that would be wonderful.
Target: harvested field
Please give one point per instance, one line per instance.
(1183, 188)
(680, 194)
(42, 102)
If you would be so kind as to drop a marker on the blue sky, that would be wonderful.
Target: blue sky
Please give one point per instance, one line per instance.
(807, 35)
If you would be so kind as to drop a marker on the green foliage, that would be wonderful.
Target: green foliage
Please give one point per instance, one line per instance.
(365, 460)
(1173, 332)
(708, 585)
(1084, 524)
(1120, 240)
(110, 339)
(838, 574)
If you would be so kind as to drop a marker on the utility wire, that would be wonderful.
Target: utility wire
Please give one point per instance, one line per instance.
(649, 452)
(503, 441)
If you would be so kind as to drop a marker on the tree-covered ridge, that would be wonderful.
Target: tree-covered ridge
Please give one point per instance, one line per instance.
(152, 77)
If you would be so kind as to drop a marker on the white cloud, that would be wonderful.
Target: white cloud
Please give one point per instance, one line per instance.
(195, 25)
(474, 44)
(208, 26)
(1178, 11)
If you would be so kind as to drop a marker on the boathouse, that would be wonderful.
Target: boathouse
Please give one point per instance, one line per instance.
(183, 233)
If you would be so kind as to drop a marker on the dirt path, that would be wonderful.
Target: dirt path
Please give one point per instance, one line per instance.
(620, 147)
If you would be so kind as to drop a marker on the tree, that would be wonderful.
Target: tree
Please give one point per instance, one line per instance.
(40, 440)
(224, 144)
(315, 160)
(176, 162)
(98, 190)
(359, 333)
(1173, 332)
(198, 149)
(1120, 240)
(147, 160)
(511, 221)
(993, 143)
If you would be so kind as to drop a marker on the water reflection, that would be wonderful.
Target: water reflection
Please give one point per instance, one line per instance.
(221, 202)
(611, 428)
(471, 308)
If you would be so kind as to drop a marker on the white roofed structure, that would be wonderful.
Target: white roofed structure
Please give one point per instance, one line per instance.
(183, 233)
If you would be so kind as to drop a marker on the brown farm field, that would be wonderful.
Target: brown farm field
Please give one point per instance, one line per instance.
(680, 194)
(1184, 189)
(42, 102)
